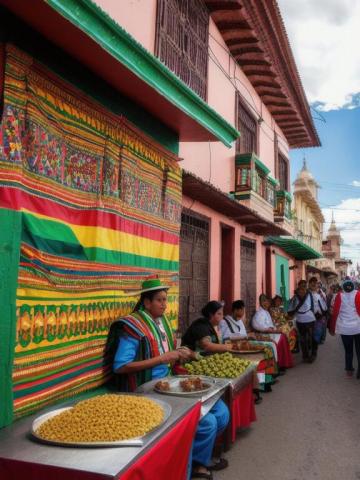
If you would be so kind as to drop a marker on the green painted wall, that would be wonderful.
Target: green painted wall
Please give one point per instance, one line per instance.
(282, 277)
(13, 30)
(10, 231)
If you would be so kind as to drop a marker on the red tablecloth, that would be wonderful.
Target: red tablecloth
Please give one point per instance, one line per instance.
(242, 410)
(285, 359)
(168, 458)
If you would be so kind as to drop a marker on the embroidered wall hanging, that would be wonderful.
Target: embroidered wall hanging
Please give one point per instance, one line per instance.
(100, 210)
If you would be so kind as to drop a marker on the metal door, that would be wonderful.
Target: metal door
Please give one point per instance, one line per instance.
(194, 267)
(282, 278)
(248, 275)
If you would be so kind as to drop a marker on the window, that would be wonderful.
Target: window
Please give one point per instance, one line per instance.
(283, 172)
(181, 41)
(247, 126)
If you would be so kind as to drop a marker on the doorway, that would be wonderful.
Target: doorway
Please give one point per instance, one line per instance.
(282, 278)
(248, 275)
(227, 267)
(194, 267)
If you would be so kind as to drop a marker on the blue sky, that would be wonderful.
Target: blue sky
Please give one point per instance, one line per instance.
(336, 167)
(336, 164)
(321, 34)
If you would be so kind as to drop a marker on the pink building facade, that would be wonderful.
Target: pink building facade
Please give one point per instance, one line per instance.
(247, 83)
(176, 162)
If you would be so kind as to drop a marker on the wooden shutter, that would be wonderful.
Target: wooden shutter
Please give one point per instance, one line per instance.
(247, 126)
(283, 173)
(181, 42)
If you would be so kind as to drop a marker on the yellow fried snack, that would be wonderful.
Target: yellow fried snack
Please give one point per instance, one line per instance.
(104, 418)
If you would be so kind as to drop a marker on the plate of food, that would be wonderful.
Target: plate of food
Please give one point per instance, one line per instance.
(110, 420)
(184, 385)
(241, 346)
(264, 337)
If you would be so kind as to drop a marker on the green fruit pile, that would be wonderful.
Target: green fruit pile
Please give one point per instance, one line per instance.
(222, 365)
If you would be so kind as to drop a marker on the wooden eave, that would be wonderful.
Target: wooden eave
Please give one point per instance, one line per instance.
(256, 37)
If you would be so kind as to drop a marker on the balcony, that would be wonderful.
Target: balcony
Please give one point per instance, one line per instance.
(282, 210)
(313, 242)
(253, 185)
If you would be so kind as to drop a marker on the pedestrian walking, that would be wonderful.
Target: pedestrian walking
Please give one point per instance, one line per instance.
(319, 308)
(345, 321)
(301, 307)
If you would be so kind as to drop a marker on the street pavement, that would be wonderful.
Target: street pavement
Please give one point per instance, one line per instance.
(308, 428)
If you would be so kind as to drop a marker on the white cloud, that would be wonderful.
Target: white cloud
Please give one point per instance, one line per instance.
(325, 39)
(355, 183)
(347, 218)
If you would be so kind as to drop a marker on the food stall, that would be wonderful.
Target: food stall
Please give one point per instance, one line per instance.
(158, 457)
(240, 399)
(239, 373)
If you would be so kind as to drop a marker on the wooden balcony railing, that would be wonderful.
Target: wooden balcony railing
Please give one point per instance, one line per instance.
(282, 208)
(309, 240)
(253, 176)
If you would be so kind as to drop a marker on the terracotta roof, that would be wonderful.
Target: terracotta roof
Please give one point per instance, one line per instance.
(205, 193)
(255, 34)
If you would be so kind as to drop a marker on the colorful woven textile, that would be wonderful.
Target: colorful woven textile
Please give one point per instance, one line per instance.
(141, 327)
(100, 206)
(284, 325)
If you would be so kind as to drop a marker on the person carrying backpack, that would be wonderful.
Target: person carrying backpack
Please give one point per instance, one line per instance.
(301, 307)
(320, 309)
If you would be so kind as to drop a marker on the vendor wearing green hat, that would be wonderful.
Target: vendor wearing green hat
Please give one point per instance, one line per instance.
(144, 350)
(146, 347)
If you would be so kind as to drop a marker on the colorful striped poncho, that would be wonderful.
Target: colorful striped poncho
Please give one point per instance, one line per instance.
(140, 326)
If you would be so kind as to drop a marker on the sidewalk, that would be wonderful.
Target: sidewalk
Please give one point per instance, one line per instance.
(308, 428)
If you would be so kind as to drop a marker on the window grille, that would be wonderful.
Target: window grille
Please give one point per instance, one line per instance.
(283, 173)
(181, 41)
(247, 127)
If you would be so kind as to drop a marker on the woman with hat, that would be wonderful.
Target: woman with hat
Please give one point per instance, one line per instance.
(345, 321)
(144, 350)
(302, 308)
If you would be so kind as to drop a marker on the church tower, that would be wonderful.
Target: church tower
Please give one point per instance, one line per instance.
(334, 238)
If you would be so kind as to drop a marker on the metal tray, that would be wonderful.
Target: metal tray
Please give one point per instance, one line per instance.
(131, 442)
(176, 390)
(259, 350)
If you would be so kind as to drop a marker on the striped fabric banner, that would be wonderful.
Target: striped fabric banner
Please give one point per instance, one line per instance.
(100, 207)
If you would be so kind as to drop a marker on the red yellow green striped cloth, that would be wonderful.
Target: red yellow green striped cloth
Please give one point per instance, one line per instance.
(100, 209)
